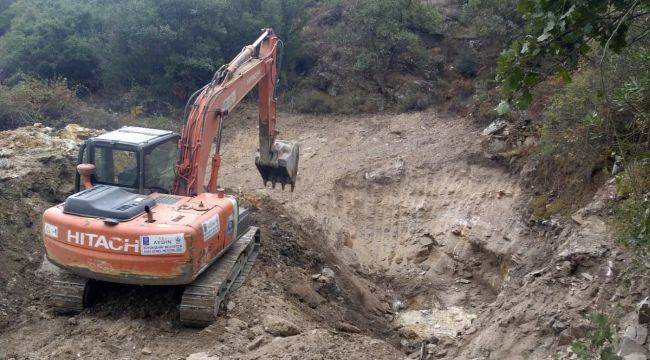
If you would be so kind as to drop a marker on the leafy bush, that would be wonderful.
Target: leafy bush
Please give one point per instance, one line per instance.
(315, 102)
(558, 34)
(632, 213)
(132, 51)
(495, 22)
(32, 101)
(632, 222)
(375, 47)
(50, 103)
(584, 137)
(387, 35)
(600, 341)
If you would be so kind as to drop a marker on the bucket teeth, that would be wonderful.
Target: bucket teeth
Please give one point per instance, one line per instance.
(282, 165)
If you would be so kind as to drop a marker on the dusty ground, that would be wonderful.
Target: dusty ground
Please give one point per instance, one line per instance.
(426, 238)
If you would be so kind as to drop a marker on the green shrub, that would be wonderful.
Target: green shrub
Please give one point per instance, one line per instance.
(600, 342)
(51, 103)
(315, 102)
(496, 21)
(373, 47)
(385, 35)
(32, 101)
(631, 222)
(583, 133)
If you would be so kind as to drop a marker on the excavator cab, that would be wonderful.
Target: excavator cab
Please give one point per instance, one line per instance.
(138, 159)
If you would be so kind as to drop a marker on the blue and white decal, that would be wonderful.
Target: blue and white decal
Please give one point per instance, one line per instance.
(162, 244)
(210, 227)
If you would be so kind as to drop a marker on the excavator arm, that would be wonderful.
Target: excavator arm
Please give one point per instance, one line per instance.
(277, 161)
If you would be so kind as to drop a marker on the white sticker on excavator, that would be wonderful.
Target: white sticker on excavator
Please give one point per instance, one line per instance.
(51, 230)
(210, 227)
(162, 244)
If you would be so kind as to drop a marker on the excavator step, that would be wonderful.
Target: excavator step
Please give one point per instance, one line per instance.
(70, 293)
(203, 298)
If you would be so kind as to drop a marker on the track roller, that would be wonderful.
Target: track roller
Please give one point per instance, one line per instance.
(203, 298)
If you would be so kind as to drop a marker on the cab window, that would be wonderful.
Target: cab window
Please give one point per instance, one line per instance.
(159, 165)
(115, 167)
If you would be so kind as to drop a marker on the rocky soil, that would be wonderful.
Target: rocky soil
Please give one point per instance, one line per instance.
(404, 238)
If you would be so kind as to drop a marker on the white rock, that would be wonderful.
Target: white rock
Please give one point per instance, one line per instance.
(398, 305)
(256, 343)
(237, 324)
(278, 326)
(495, 127)
(201, 356)
(637, 333)
(230, 305)
(635, 356)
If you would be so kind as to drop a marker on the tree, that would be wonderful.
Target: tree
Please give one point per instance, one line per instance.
(51, 39)
(384, 35)
(559, 33)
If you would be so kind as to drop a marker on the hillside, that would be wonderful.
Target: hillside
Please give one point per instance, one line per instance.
(474, 177)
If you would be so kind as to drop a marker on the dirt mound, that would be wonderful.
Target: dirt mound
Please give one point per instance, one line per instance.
(36, 170)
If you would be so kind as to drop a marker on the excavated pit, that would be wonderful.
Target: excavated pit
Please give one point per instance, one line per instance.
(401, 239)
(351, 228)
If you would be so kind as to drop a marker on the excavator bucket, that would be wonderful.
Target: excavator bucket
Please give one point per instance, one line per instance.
(282, 167)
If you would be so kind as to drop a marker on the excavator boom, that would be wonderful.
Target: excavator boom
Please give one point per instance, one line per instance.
(277, 161)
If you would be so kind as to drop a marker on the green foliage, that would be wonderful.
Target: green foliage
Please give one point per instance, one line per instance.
(363, 54)
(150, 48)
(584, 137)
(50, 39)
(5, 17)
(134, 50)
(32, 101)
(164, 46)
(315, 102)
(574, 145)
(51, 103)
(631, 220)
(558, 34)
(497, 21)
(600, 341)
(632, 223)
(383, 35)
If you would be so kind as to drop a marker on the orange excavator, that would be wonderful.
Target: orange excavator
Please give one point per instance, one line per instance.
(143, 212)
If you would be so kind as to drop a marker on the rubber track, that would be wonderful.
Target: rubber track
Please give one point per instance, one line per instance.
(69, 293)
(247, 267)
(202, 299)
